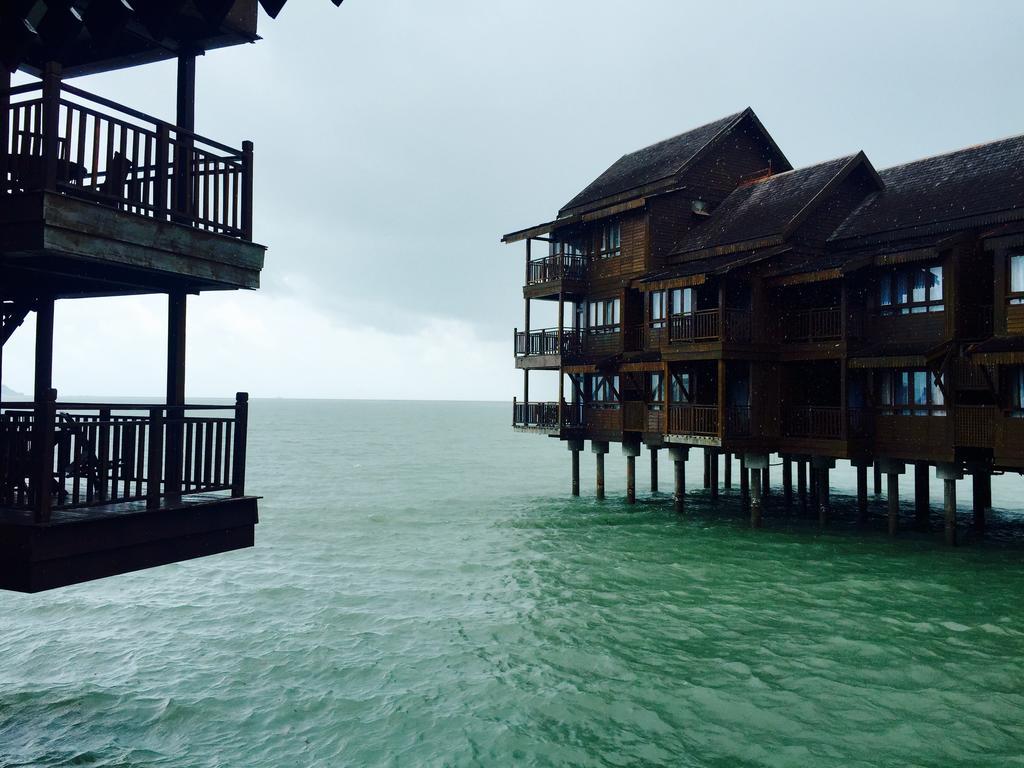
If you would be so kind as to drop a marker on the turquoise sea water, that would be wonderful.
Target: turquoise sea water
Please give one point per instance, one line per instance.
(425, 592)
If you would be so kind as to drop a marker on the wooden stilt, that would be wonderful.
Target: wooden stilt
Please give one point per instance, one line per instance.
(679, 493)
(713, 474)
(801, 482)
(727, 480)
(575, 473)
(812, 480)
(823, 500)
(921, 493)
(877, 470)
(755, 497)
(707, 467)
(862, 494)
(599, 460)
(744, 481)
(787, 480)
(631, 480)
(950, 510)
(893, 493)
(654, 470)
(766, 482)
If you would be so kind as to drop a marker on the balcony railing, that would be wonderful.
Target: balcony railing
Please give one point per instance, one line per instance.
(818, 422)
(693, 420)
(711, 325)
(548, 342)
(975, 425)
(59, 138)
(73, 455)
(817, 324)
(545, 415)
(559, 267)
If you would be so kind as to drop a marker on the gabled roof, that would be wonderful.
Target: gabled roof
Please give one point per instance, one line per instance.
(666, 160)
(943, 193)
(770, 208)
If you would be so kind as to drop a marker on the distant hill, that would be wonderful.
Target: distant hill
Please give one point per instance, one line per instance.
(8, 392)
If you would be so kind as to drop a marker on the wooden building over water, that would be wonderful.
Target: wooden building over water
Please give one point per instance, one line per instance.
(711, 296)
(99, 199)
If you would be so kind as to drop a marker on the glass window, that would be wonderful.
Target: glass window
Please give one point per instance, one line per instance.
(658, 309)
(681, 301)
(1017, 278)
(680, 390)
(911, 290)
(655, 390)
(611, 240)
(910, 393)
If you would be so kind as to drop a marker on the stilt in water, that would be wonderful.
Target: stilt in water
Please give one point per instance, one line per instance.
(707, 467)
(801, 482)
(820, 466)
(787, 480)
(679, 454)
(713, 474)
(654, 470)
(893, 470)
(766, 482)
(631, 449)
(812, 482)
(981, 486)
(949, 474)
(757, 464)
(575, 446)
(862, 494)
(921, 493)
(599, 448)
(877, 470)
(728, 472)
(744, 481)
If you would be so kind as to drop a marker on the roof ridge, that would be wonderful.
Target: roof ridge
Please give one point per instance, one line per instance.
(968, 148)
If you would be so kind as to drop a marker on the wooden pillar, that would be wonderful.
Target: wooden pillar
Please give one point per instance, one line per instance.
(823, 499)
(877, 471)
(176, 325)
(631, 480)
(5, 127)
(812, 482)
(862, 494)
(44, 413)
(713, 473)
(950, 510)
(801, 481)
(979, 480)
(679, 454)
(599, 460)
(575, 471)
(44, 349)
(707, 467)
(185, 117)
(755, 497)
(50, 112)
(654, 470)
(561, 358)
(766, 482)
(921, 501)
(744, 480)
(787, 480)
(727, 480)
(893, 494)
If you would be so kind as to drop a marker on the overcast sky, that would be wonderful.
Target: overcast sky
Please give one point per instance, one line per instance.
(396, 140)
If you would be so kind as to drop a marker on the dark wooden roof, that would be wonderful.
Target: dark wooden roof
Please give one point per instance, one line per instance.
(665, 160)
(88, 36)
(766, 209)
(943, 193)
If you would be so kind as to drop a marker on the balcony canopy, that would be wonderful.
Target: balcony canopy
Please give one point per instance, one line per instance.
(89, 36)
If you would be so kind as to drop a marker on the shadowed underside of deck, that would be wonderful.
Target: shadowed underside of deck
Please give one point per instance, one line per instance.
(95, 542)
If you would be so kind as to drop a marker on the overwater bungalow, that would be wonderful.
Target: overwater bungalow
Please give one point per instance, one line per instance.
(712, 297)
(98, 200)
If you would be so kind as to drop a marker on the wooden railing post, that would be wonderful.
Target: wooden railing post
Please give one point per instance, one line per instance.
(238, 454)
(5, 125)
(163, 171)
(247, 188)
(103, 454)
(155, 455)
(51, 124)
(43, 428)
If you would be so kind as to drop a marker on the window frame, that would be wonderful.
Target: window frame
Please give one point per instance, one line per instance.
(657, 309)
(1014, 297)
(611, 240)
(898, 392)
(897, 287)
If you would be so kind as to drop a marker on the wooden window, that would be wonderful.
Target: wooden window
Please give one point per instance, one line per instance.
(1016, 377)
(911, 290)
(568, 247)
(603, 316)
(910, 393)
(680, 388)
(658, 309)
(681, 301)
(611, 240)
(604, 389)
(655, 391)
(1016, 292)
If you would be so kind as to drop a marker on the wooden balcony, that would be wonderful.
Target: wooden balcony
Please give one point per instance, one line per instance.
(709, 421)
(813, 325)
(92, 490)
(816, 422)
(550, 275)
(547, 347)
(87, 178)
(711, 325)
(543, 417)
